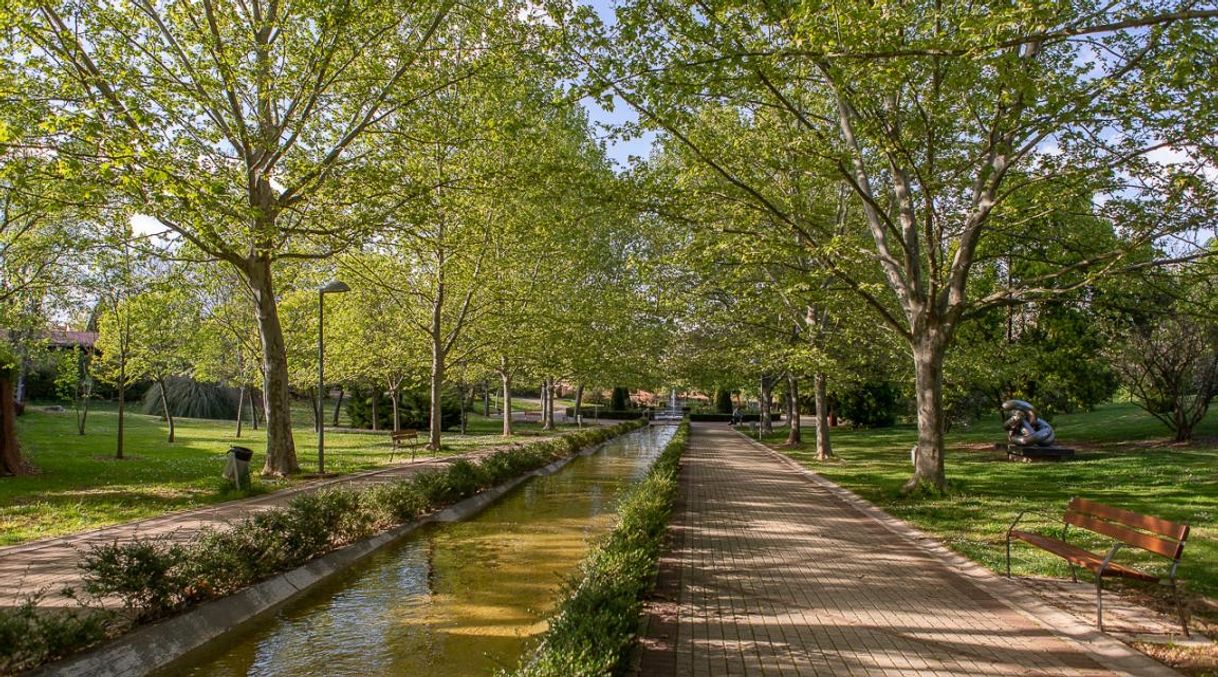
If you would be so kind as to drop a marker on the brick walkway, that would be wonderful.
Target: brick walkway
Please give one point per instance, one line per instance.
(775, 573)
(50, 564)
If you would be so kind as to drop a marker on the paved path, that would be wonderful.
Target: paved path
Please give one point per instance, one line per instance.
(778, 573)
(50, 564)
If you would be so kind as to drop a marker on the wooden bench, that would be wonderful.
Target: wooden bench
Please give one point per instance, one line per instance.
(401, 437)
(1127, 528)
(532, 417)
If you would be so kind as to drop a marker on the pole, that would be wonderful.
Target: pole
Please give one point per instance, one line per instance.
(321, 356)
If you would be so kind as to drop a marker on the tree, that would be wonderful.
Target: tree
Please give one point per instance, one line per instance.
(235, 124)
(1171, 368)
(112, 364)
(952, 127)
(11, 460)
(161, 327)
(74, 383)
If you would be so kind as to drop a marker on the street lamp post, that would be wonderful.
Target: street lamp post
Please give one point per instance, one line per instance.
(333, 287)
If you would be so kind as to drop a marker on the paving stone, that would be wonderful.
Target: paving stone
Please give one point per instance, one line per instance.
(780, 575)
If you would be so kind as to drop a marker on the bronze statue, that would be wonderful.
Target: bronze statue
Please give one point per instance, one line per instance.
(1024, 427)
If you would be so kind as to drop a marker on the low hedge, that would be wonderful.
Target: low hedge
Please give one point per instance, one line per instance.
(727, 418)
(593, 630)
(155, 577)
(609, 414)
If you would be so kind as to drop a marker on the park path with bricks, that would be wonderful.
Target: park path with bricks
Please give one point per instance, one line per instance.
(49, 565)
(776, 571)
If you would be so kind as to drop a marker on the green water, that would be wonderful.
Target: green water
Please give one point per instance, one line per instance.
(460, 598)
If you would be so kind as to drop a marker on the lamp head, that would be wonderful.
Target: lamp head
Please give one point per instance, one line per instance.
(335, 287)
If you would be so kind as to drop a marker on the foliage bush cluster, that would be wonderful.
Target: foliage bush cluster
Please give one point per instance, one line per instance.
(414, 407)
(189, 398)
(872, 404)
(727, 418)
(154, 577)
(30, 636)
(594, 628)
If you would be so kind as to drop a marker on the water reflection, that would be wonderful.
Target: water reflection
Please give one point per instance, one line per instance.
(452, 599)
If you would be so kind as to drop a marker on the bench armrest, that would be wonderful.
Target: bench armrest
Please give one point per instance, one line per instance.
(1032, 511)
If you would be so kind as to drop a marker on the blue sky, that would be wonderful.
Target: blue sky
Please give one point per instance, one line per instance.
(619, 150)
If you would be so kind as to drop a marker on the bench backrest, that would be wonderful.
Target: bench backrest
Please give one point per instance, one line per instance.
(1160, 536)
(405, 434)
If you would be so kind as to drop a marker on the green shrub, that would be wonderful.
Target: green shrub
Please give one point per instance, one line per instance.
(414, 409)
(620, 399)
(144, 573)
(393, 503)
(30, 636)
(874, 404)
(593, 629)
(723, 401)
(190, 399)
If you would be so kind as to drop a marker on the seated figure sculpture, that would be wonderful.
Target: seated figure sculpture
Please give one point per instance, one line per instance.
(1024, 427)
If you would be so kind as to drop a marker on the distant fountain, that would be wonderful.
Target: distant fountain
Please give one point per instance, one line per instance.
(673, 413)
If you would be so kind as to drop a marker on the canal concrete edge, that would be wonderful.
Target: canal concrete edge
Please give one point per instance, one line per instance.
(158, 646)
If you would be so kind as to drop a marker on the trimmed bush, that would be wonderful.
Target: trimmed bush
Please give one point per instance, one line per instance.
(723, 401)
(727, 418)
(593, 630)
(413, 409)
(620, 399)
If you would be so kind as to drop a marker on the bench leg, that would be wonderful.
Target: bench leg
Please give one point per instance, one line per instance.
(1099, 602)
(1099, 585)
(1007, 555)
(1175, 593)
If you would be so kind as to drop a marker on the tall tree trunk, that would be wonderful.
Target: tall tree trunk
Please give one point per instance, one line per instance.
(794, 434)
(256, 401)
(824, 449)
(579, 400)
(393, 401)
(767, 394)
(437, 388)
(165, 409)
(317, 408)
(280, 445)
(486, 397)
(338, 405)
(928, 355)
(240, 409)
(122, 413)
(547, 404)
(553, 397)
(507, 403)
(11, 461)
(84, 413)
(376, 418)
(461, 395)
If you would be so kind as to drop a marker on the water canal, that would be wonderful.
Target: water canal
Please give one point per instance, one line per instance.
(459, 598)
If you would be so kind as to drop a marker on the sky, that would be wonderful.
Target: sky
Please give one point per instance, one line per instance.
(619, 150)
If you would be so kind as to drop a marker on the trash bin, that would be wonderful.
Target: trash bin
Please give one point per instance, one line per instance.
(237, 469)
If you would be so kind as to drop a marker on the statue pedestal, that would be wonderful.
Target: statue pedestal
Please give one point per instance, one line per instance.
(1031, 454)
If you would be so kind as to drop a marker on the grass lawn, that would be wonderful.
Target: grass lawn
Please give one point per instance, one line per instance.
(81, 486)
(1124, 458)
